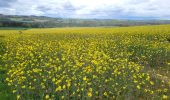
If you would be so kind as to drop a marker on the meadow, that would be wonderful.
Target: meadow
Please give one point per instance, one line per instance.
(131, 63)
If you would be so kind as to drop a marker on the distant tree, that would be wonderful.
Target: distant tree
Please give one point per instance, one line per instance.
(1, 25)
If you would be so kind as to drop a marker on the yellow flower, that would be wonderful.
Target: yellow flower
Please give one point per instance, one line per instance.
(165, 90)
(14, 91)
(89, 94)
(64, 86)
(97, 92)
(90, 89)
(152, 83)
(151, 92)
(138, 86)
(47, 96)
(18, 97)
(94, 61)
(85, 78)
(105, 94)
(88, 69)
(58, 89)
(53, 79)
(68, 84)
(164, 97)
(62, 97)
(23, 87)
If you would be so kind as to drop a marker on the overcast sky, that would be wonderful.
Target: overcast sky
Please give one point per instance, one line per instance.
(99, 9)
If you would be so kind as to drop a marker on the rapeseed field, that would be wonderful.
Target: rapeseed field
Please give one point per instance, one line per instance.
(86, 63)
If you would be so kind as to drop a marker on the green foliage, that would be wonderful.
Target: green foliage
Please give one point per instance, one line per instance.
(47, 22)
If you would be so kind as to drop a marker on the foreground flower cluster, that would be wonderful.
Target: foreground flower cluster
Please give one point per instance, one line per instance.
(84, 66)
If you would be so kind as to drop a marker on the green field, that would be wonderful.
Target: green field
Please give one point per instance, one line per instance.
(85, 63)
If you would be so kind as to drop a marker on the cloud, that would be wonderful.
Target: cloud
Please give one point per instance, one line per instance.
(6, 3)
(102, 9)
(58, 9)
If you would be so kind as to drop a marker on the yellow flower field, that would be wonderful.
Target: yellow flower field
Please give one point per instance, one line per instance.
(87, 63)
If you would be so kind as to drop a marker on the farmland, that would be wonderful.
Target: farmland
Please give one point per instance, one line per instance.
(85, 63)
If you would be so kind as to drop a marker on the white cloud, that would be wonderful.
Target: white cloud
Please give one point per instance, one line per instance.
(90, 8)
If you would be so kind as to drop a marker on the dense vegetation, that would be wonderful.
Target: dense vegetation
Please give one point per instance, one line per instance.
(86, 63)
(45, 22)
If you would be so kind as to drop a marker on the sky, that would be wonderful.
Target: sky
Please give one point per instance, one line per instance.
(89, 9)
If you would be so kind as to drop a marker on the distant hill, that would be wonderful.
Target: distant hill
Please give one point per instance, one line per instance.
(44, 22)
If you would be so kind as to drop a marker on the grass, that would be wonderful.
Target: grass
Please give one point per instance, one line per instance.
(13, 28)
